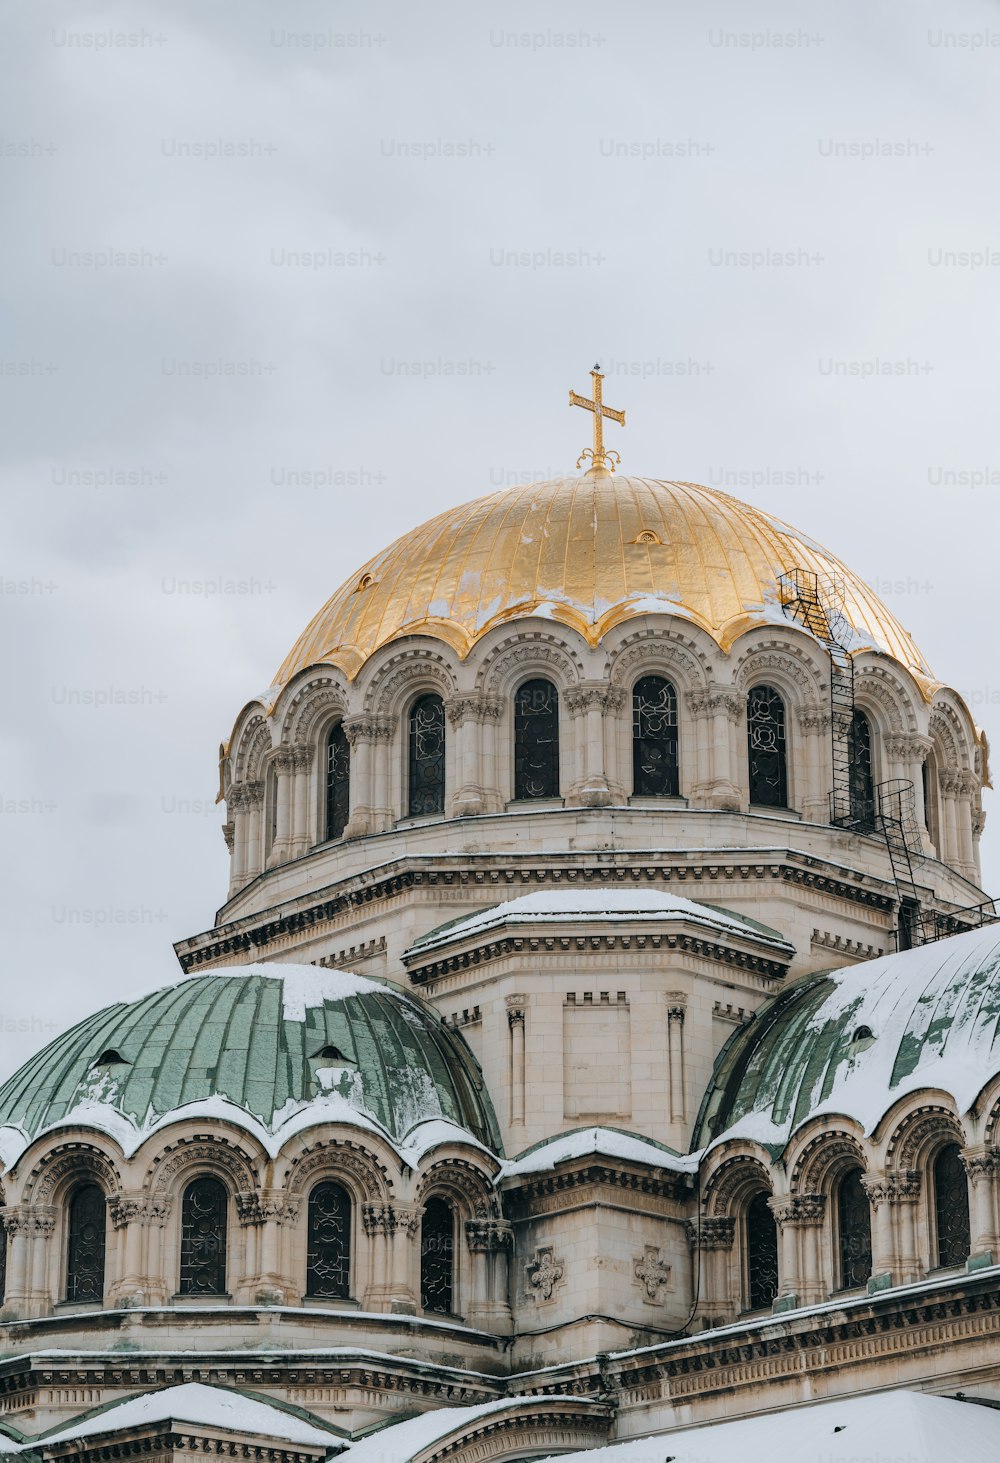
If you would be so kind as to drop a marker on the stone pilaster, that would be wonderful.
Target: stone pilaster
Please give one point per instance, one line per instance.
(799, 1221)
(983, 1167)
(718, 712)
(587, 704)
(371, 810)
(515, 1021)
(490, 1243)
(475, 774)
(816, 728)
(283, 762)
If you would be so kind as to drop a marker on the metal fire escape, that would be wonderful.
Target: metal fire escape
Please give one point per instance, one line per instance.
(817, 603)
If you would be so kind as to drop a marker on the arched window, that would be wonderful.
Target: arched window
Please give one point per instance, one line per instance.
(203, 1238)
(766, 747)
(426, 780)
(854, 1226)
(328, 1264)
(338, 782)
(951, 1207)
(437, 1257)
(862, 776)
(536, 740)
(762, 1253)
(654, 738)
(85, 1248)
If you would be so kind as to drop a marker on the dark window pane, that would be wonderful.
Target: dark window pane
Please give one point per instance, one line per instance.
(328, 1271)
(762, 1253)
(951, 1204)
(338, 782)
(203, 1238)
(536, 740)
(862, 779)
(85, 1255)
(766, 747)
(437, 1240)
(426, 756)
(654, 738)
(854, 1222)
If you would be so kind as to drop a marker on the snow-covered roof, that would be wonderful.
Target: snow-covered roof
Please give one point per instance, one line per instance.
(604, 1142)
(853, 1041)
(603, 906)
(907, 1426)
(403, 1441)
(200, 1406)
(273, 1048)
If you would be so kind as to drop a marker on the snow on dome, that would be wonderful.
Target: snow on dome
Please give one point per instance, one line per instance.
(559, 905)
(245, 1045)
(203, 1406)
(934, 1015)
(908, 1426)
(606, 1143)
(589, 552)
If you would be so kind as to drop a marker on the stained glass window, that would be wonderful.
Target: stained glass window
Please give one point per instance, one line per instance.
(328, 1272)
(85, 1250)
(536, 740)
(951, 1204)
(862, 777)
(426, 756)
(203, 1238)
(437, 1259)
(654, 738)
(338, 782)
(766, 747)
(762, 1253)
(854, 1223)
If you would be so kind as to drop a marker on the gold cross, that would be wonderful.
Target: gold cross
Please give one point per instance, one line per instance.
(600, 461)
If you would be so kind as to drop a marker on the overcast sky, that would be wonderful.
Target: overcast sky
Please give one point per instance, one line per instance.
(246, 243)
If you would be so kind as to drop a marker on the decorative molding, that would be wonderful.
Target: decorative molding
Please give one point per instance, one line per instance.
(489, 1236)
(652, 1273)
(543, 1273)
(716, 1232)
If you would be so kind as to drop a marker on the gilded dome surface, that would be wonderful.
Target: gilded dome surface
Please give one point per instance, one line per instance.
(284, 1045)
(588, 551)
(854, 1041)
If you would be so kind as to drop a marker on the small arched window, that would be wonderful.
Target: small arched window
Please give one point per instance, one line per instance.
(85, 1247)
(766, 748)
(426, 781)
(854, 1227)
(762, 1253)
(951, 1207)
(338, 782)
(862, 775)
(204, 1215)
(655, 770)
(536, 740)
(328, 1264)
(437, 1257)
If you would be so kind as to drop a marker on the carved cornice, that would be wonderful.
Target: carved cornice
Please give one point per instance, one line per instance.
(510, 875)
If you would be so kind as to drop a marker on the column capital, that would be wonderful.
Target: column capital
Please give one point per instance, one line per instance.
(981, 1164)
(472, 707)
(489, 1236)
(717, 1232)
(800, 1211)
(29, 1218)
(367, 729)
(283, 760)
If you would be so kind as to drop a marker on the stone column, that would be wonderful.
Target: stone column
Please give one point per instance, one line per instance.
(284, 767)
(587, 704)
(383, 813)
(515, 1021)
(968, 790)
(904, 1199)
(719, 711)
(676, 1011)
(800, 1222)
(41, 1221)
(236, 807)
(360, 733)
(18, 1221)
(815, 726)
(254, 792)
(490, 1243)
(948, 784)
(303, 760)
(391, 1229)
(978, 824)
(717, 1303)
(473, 777)
(881, 1190)
(126, 1212)
(905, 756)
(983, 1167)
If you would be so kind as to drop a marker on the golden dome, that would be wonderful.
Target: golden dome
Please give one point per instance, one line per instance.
(589, 552)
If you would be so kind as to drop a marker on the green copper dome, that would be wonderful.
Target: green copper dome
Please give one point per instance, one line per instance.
(854, 1041)
(285, 1045)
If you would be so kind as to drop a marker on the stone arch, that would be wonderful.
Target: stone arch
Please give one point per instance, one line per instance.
(734, 1181)
(658, 652)
(789, 662)
(55, 1172)
(317, 697)
(468, 1187)
(949, 732)
(224, 1157)
(528, 653)
(917, 1135)
(885, 695)
(254, 747)
(403, 675)
(821, 1159)
(362, 1172)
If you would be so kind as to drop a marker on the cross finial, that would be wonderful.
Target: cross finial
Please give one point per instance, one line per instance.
(601, 462)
